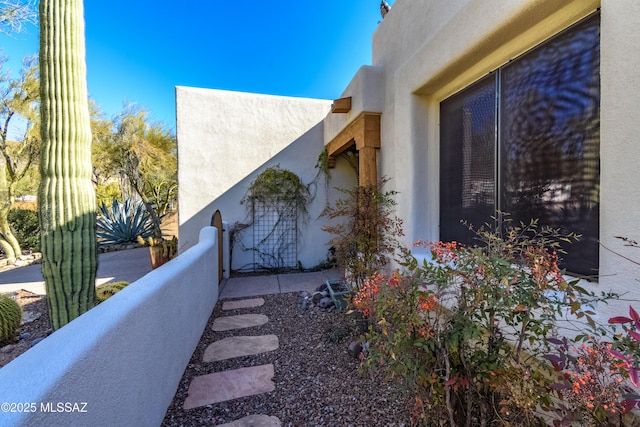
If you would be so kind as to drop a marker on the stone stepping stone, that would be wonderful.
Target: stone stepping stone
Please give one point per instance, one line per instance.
(228, 385)
(243, 303)
(240, 321)
(255, 421)
(231, 347)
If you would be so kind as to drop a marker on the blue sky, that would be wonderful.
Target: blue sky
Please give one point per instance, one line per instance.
(139, 50)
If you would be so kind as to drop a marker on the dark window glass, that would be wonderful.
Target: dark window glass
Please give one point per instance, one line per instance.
(467, 160)
(549, 134)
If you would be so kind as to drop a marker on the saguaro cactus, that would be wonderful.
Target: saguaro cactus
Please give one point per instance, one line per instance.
(66, 199)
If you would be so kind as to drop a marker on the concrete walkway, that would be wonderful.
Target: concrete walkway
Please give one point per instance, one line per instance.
(251, 286)
(128, 266)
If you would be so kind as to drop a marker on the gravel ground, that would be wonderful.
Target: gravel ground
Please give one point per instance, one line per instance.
(317, 382)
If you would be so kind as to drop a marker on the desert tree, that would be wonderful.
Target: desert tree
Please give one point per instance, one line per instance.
(15, 13)
(19, 143)
(143, 155)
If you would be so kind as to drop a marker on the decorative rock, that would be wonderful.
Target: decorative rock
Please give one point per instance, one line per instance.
(7, 348)
(238, 322)
(305, 301)
(36, 341)
(316, 297)
(254, 421)
(355, 348)
(29, 316)
(245, 303)
(325, 302)
(228, 385)
(231, 347)
(24, 336)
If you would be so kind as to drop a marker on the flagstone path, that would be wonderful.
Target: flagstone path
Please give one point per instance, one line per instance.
(233, 384)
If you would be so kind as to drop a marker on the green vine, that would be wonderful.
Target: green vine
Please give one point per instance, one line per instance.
(279, 191)
(322, 164)
(275, 186)
(353, 162)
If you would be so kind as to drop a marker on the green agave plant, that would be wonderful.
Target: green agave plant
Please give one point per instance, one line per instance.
(123, 223)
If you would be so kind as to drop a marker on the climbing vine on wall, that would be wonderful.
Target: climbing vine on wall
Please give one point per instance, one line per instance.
(276, 204)
(276, 185)
(322, 164)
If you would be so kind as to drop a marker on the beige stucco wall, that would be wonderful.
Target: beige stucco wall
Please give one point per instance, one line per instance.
(226, 139)
(224, 136)
(366, 96)
(461, 41)
(426, 50)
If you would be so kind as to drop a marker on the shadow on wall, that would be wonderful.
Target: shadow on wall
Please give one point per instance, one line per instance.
(299, 157)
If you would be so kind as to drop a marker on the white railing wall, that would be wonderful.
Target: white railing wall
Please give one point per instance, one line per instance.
(120, 363)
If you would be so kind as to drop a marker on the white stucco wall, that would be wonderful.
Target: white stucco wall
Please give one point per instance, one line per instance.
(426, 50)
(226, 139)
(365, 90)
(423, 52)
(120, 363)
(429, 50)
(620, 147)
(223, 136)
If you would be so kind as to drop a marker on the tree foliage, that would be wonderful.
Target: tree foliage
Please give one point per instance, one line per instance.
(19, 102)
(141, 155)
(15, 13)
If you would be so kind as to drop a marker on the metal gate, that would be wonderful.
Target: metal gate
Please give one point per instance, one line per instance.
(275, 235)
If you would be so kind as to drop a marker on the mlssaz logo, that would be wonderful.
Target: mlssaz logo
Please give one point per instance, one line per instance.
(63, 407)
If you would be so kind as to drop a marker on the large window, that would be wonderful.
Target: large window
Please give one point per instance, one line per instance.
(525, 140)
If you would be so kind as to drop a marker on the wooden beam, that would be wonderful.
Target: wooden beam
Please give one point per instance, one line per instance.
(370, 132)
(341, 105)
(364, 133)
(367, 166)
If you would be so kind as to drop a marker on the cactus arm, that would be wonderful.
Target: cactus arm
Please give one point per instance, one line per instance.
(66, 198)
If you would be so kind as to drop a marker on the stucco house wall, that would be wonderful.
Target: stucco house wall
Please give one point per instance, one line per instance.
(226, 139)
(426, 50)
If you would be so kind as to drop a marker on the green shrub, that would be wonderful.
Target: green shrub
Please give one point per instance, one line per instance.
(25, 225)
(123, 223)
(467, 329)
(367, 237)
(107, 192)
(106, 291)
(10, 318)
